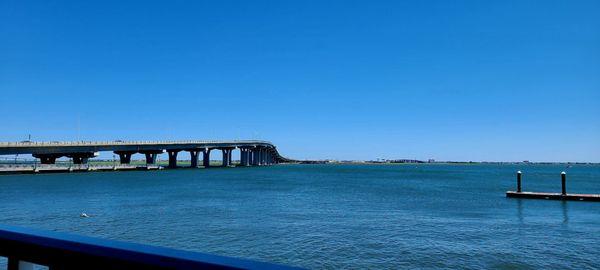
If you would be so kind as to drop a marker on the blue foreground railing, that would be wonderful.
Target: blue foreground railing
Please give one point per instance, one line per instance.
(24, 247)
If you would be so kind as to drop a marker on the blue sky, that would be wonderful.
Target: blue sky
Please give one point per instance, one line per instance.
(450, 80)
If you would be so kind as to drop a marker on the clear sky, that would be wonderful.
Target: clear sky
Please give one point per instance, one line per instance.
(449, 80)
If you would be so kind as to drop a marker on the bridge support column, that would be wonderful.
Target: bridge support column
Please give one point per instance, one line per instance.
(47, 159)
(259, 157)
(206, 158)
(124, 157)
(267, 156)
(242, 152)
(249, 157)
(255, 156)
(173, 158)
(194, 158)
(257, 162)
(266, 159)
(82, 158)
(226, 157)
(262, 157)
(244, 156)
(151, 156)
(267, 153)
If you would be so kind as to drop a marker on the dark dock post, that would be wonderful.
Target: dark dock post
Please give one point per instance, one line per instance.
(518, 181)
(563, 176)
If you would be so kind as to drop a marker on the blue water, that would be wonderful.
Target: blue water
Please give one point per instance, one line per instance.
(327, 216)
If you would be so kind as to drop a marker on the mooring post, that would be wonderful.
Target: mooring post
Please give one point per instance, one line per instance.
(563, 176)
(518, 181)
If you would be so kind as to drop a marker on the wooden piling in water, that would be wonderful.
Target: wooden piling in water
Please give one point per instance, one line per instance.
(518, 181)
(563, 180)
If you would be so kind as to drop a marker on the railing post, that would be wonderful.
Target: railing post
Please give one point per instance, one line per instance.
(518, 181)
(563, 176)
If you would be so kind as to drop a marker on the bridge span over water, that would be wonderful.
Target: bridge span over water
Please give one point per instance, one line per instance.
(252, 152)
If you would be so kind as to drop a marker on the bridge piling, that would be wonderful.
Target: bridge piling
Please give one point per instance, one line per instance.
(225, 159)
(172, 158)
(206, 158)
(46, 159)
(81, 158)
(255, 156)
(226, 156)
(194, 158)
(124, 157)
(248, 156)
(151, 156)
(245, 156)
(242, 157)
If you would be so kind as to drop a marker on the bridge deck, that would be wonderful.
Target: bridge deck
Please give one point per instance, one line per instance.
(11, 148)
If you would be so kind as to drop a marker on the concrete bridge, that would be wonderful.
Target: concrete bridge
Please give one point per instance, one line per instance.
(252, 152)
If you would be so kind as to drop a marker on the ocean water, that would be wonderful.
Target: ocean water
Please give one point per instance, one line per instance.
(328, 216)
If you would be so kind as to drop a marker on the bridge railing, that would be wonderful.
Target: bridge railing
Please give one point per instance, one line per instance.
(25, 247)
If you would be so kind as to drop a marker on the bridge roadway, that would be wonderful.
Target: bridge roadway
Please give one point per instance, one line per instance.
(252, 152)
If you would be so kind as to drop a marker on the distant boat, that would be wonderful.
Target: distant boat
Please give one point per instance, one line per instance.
(84, 215)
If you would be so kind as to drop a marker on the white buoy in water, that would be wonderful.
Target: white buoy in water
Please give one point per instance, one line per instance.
(84, 215)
